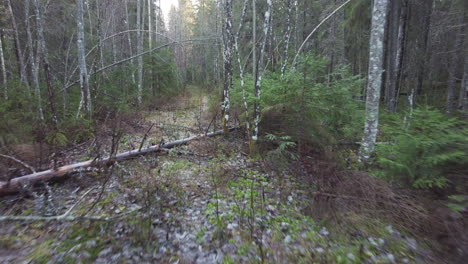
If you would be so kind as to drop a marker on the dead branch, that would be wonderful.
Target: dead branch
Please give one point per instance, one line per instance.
(19, 162)
(17, 183)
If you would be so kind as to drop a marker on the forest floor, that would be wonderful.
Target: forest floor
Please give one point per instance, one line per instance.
(204, 202)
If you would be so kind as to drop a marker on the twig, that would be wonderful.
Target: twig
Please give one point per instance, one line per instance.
(144, 137)
(19, 161)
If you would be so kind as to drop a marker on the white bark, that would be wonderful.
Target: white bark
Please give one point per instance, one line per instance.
(228, 42)
(374, 84)
(241, 69)
(19, 51)
(84, 84)
(287, 37)
(2, 65)
(259, 72)
(45, 58)
(139, 50)
(34, 67)
(129, 39)
(150, 26)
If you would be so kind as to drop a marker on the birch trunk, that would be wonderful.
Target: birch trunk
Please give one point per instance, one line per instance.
(259, 73)
(150, 27)
(34, 67)
(19, 51)
(287, 37)
(2, 65)
(139, 50)
(129, 39)
(227, 57)
(45, 59)
(374, 84)
(241, 69)
(84, 84)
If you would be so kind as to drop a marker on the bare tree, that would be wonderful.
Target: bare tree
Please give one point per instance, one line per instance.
(287, 37)
(45, 60)
(18, 49)
(84, 84)
(259, 73)
(376, 56)
(228, 41)
(139, 50)
(2, 65)
(34, 62)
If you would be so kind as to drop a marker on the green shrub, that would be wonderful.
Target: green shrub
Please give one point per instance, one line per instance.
(422, 148)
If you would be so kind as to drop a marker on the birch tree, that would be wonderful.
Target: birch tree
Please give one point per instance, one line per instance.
(34, 62)
(228, 41)
(45, 59)
(259, 73)
(2, 65)
(374, 84)
(287, 36)
(239, 63)
(139, 50)
(84, 84)
(18, 49)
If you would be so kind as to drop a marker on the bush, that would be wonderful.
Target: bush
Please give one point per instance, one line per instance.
(422, 148)
(309, 95)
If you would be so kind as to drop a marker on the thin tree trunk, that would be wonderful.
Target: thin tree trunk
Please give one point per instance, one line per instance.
(150, 26)
(34, 67)
(453, 67)
(2, 65)
(400, 50)
(287, 36)
(463, 101)
(391, 43)
(258, 76)
(19, 51)
(139, 50)
(45, 59)
(254, 38)
(423, 45)
(84, 84)
(374, 85)
(228, 40)
(129, 39)
(241, 69)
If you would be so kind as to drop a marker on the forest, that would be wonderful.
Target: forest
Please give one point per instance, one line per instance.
(233, 131)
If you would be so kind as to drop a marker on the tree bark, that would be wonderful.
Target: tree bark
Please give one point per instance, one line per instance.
(241, 69)
(18, 49)
(84, 83)
(139, 50)
(2, 65)
(258, 76)
(129, 39)
(374, 85)
(228, 41)
(17, 183)
(287, 36)
(33, 65)
(45, 59)
(423, 45)
(400, 49)
(453, 68)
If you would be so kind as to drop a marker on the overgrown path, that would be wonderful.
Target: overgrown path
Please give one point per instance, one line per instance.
(204, 202)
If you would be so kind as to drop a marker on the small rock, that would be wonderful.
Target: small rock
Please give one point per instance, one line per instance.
(105, 252)
(391, 258)
(350, 256)
(324, 231)
(229, 249)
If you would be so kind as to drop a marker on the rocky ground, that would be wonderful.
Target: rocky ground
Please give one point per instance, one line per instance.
(205, 202)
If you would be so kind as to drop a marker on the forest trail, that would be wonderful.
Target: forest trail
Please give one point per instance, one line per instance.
(171, 191)
(204, 202)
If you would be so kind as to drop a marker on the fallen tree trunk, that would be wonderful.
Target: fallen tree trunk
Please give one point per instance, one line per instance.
(16, 184)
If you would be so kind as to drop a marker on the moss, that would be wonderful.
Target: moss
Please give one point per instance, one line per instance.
(42, 253)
